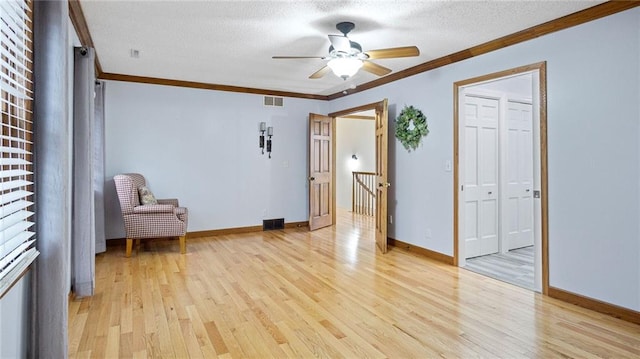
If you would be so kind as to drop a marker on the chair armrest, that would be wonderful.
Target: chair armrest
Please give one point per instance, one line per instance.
(153, 208)
(171, 201)
(182, 213)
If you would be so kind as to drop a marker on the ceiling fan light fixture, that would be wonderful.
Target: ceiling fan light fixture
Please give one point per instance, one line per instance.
(345, 67)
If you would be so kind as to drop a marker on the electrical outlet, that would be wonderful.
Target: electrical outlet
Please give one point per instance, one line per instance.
(390, 219)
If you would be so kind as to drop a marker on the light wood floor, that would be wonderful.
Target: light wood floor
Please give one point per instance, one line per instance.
(515, 267)
(323, 294)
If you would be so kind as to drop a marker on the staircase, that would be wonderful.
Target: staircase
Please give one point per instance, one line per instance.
(363, 198)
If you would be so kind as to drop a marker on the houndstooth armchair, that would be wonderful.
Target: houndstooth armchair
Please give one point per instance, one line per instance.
(164, 219)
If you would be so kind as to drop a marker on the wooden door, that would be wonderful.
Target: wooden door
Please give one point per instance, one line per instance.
(381, 175)
(518, 209)
(320, 171)
(481, 196)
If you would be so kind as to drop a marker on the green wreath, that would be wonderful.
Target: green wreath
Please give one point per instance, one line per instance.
(411, 126)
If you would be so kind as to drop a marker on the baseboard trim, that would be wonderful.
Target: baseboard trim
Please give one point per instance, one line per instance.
(118, 242)
(421, 251)
(115, 242)
(296, 224)
(218, 232)
(223, 231)
(595, 305)
(237, 230)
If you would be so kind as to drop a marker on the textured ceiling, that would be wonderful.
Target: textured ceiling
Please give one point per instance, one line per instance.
(231, 42)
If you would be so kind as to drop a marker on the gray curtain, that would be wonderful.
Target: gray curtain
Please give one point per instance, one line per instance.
(83, 237)
(98, 166)
(52, 169)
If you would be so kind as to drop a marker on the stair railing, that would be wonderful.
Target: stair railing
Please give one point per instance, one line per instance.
(363, 195)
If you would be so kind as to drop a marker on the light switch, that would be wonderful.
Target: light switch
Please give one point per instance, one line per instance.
(447, 165)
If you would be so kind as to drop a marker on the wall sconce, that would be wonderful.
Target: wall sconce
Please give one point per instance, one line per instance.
(263, 127)
(269, 133)
(353, 162)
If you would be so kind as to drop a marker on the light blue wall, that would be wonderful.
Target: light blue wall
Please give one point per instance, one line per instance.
(201, 147)
(593, 92)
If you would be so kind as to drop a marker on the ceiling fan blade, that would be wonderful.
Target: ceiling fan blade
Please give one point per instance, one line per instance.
(340, 43)
(296, 57)
(407, 51)
(320, 73)
(375, 68)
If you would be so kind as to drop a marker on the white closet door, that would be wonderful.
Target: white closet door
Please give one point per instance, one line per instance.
(519, 152)
(481, 194)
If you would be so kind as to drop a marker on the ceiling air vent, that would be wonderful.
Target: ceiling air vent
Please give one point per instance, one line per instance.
(273, 101)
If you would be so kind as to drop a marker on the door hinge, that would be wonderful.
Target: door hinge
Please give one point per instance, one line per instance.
(462, 187)
(536, 194)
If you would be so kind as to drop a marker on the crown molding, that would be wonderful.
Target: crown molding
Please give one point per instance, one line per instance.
(82, 29)
(593, 13)
(207, 86)
(565, 22)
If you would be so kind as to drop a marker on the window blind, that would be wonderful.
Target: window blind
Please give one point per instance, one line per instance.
(17, 237)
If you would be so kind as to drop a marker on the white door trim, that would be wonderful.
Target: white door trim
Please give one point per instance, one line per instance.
(463, 91)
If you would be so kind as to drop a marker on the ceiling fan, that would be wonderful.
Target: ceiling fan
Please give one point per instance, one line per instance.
(346, 57)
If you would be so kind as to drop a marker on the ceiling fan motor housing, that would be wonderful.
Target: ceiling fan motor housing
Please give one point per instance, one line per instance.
(354, 51)
(345, 27)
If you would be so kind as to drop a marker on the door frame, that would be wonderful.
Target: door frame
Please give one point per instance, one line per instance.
(540, 69)
(343, 113)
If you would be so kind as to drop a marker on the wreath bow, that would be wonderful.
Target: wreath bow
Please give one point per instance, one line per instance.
(411, 126)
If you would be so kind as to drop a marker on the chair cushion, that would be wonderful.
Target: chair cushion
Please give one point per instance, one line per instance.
(154, 208)
(146, 196)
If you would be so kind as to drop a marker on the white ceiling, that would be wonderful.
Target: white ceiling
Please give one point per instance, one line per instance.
(231, 42)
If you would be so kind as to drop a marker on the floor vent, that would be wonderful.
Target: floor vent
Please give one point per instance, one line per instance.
(269, 224)
(273, 101)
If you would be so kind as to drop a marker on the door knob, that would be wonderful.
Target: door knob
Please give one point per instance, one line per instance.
(490, 192)
(384, 184)
(528, 190)
(312, 178)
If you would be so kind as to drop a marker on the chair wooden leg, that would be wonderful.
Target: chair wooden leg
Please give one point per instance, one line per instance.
(129, 245)
(183, 244)
(137, 246)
